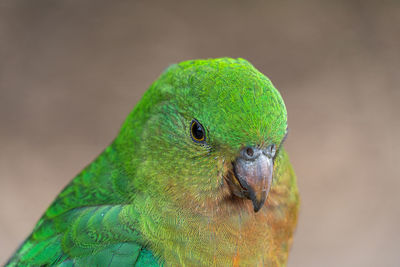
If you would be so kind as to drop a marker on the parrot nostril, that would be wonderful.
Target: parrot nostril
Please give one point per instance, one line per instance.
(250, 152)
(270, 151)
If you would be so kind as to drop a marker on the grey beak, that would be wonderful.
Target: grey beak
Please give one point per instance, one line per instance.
(254, 171)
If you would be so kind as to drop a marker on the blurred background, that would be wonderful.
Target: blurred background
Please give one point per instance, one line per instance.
(70, 72)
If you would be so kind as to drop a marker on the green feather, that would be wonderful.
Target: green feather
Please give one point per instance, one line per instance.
(154, 197)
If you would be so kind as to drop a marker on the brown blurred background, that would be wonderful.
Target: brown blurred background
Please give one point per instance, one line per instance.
(70, 71)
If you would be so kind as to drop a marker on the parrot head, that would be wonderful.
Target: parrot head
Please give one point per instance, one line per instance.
(207, 132)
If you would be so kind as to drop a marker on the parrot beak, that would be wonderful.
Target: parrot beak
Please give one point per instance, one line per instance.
(253, 171)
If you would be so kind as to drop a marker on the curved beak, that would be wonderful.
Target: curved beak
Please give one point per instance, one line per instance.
(254, 173)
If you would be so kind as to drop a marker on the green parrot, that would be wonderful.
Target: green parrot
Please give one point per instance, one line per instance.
(197, 176)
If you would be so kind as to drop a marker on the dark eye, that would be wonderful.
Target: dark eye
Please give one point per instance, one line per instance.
(197, 131)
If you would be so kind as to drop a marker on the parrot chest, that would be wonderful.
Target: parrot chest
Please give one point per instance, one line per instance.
(244, 239)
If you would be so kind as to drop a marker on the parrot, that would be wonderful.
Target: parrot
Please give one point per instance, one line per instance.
(197, 176)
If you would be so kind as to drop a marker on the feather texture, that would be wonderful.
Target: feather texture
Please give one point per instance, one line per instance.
(156, 198)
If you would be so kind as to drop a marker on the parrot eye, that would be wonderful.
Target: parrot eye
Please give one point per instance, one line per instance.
(197, 131)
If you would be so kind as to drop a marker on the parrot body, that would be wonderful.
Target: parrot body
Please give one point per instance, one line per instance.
(197, 176)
